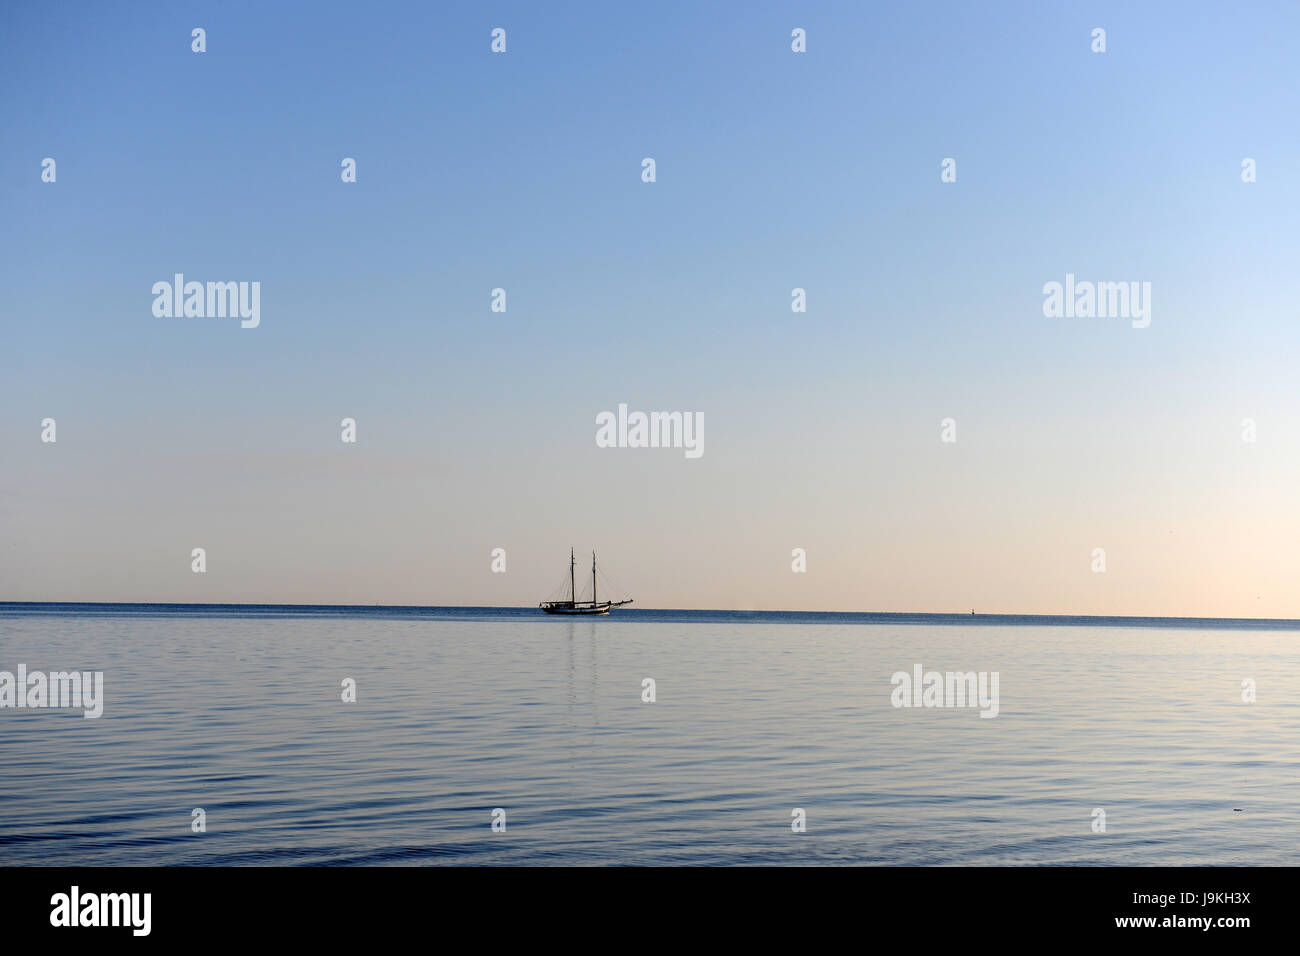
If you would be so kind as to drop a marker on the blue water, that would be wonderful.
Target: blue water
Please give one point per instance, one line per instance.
(237, 710)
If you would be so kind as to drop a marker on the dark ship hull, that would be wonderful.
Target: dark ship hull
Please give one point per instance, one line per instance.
(564, 607)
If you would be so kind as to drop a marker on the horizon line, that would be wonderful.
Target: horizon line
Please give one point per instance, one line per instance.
(624, 611)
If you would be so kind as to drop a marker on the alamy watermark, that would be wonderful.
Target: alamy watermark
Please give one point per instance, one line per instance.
(1101, 300)
(653, 430)
(75, 908)
(57, 689)
(215, 300)
(951, 689)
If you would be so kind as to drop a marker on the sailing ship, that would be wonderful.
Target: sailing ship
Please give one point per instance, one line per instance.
(573, 605)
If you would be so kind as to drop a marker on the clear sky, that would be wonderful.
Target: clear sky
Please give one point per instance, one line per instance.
(774, 170)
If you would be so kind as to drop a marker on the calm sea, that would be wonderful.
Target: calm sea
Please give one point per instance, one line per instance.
(237, 710)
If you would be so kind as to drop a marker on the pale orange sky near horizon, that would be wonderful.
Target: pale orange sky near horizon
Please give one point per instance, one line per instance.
(1196, 524)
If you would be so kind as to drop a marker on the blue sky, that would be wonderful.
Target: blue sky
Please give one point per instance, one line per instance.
(774, 170)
